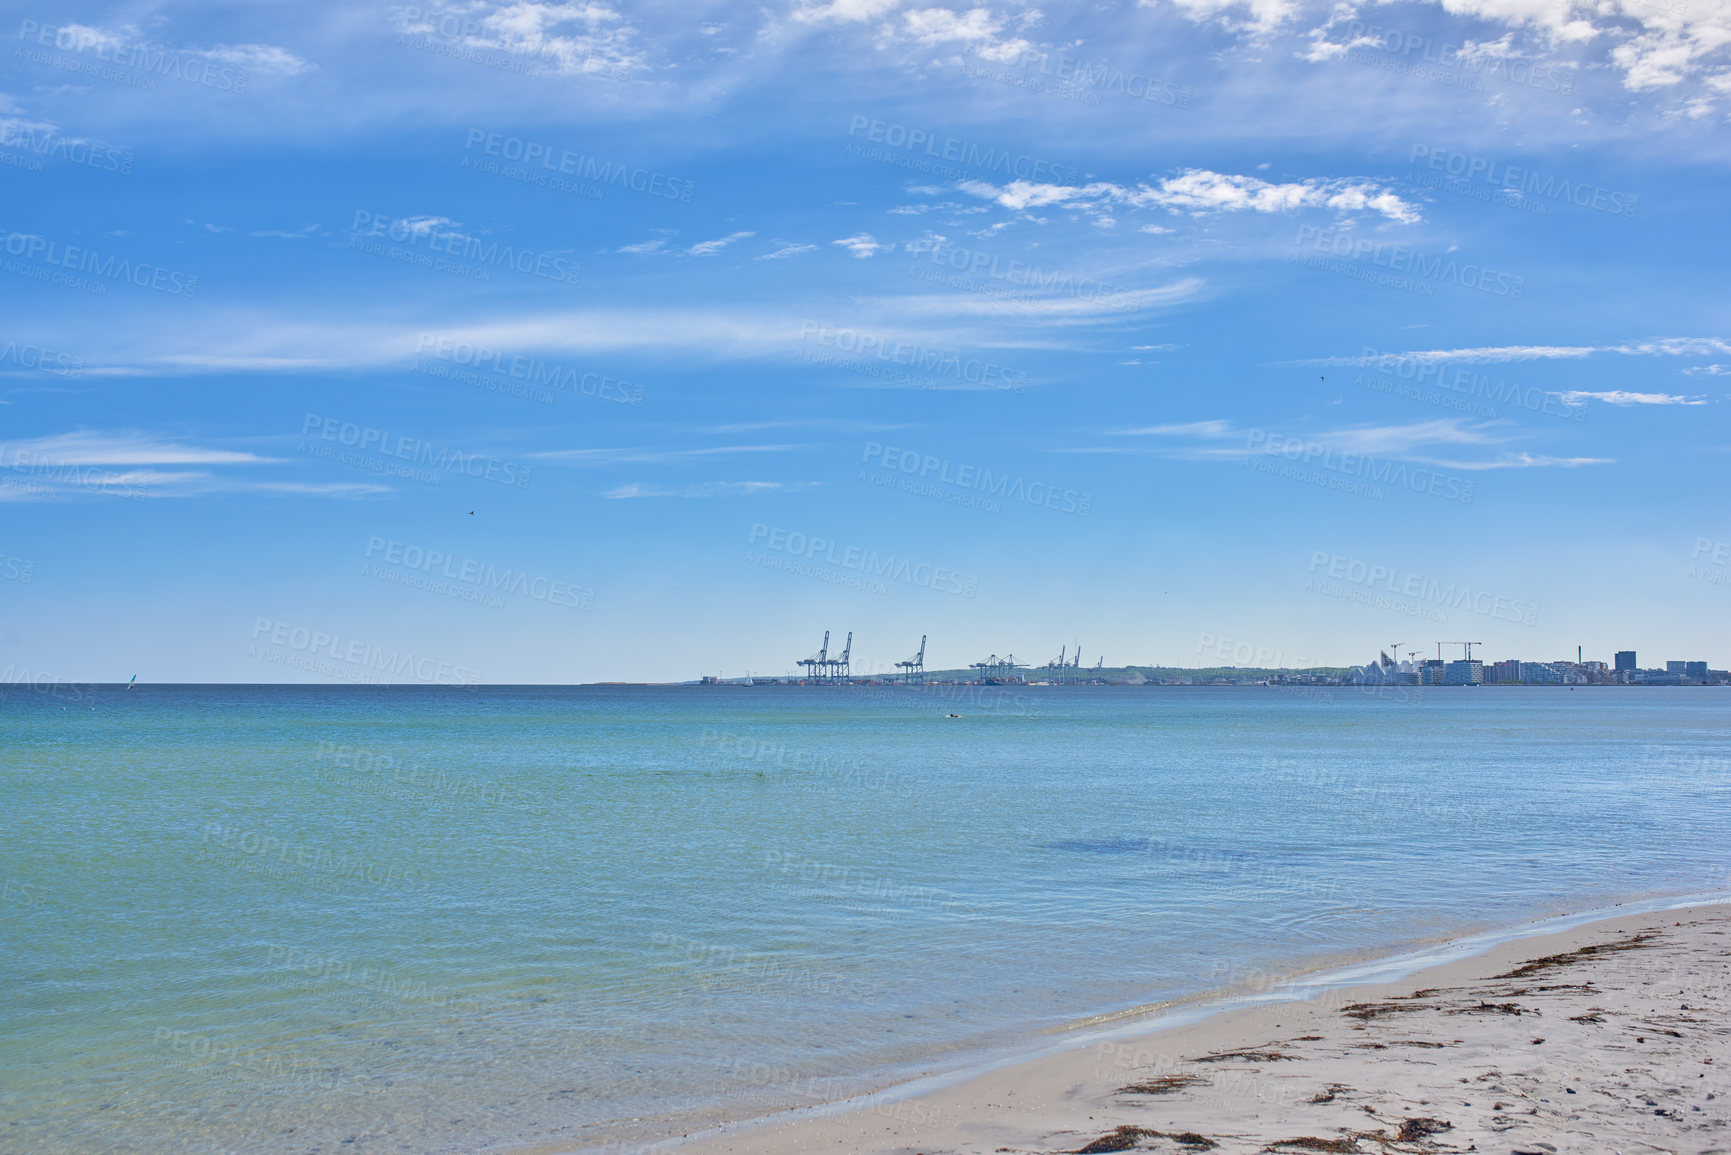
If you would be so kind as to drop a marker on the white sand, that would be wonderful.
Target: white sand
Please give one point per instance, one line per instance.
(1620, 1041)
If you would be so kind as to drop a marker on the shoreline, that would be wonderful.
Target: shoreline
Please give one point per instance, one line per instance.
(941, 1110)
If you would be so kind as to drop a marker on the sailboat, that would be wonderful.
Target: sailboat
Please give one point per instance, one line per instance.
(133, 685)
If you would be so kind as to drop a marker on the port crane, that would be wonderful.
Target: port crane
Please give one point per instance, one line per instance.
(996, 669)
(823, 668)
(915, 667)
(818, 662)
(1064, 668)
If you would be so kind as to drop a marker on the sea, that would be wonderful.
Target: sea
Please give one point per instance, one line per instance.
(429, 919)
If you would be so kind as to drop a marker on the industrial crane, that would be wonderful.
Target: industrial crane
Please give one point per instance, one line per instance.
(915, 665)
(819, 662)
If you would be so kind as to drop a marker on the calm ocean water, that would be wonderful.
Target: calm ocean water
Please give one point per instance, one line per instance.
(297, 919)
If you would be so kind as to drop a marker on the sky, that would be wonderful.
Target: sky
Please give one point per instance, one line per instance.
(550, 343)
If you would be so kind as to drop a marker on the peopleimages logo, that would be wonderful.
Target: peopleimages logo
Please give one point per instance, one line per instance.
(419, 234)
(1501, 391)
(483, 576)
(1465, 58)
(42, 359)
(579, 165)
(970, 264)
(1392, 580)
(864, 563)
(78, 40)
(364, 657)
(1524, 181)
(948, 148)
(395, 445)
(921, 358)
(45, 142)
(1004, 486)
(1101, 76)
(55, 255)
(530, 370)
(1361, 465)
(1401, 259)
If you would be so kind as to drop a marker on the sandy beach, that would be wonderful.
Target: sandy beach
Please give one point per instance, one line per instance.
(1611, 1037)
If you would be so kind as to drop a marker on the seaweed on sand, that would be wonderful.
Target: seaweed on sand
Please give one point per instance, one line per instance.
(1411, 1131)
(1126, 1138)
(1247, 1055)
(1485, 1008)
(1584, 954)
(1164, 1085)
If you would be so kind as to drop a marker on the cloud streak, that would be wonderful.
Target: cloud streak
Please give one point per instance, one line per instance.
(1198, 191)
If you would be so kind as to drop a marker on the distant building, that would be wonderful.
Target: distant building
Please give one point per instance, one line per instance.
(1432, 672)
(1383, 672)
(1504, 673)
(1676, 668)
(1696, 670)
(1550, 674)
(1626, 660)
(1466, 672)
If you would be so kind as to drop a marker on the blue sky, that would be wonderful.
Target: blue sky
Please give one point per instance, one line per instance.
(572, 342)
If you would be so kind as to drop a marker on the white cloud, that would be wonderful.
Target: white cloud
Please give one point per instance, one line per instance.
(86, 447)
(1219, 440)
(1256, 16)
(1204, 191)
(266, 58)
(87, 463)
(788, 249)
(862, 245)
(1055, 306)
(1654, 44)
(317, 489)
(572, 38)
(975, 29)
(1622, 397)
(645, 248)
(710, 489)
(1652, 347)
(710, 248)
(250, 58)
(629, 456)
(299, 234)
(843, 11)
(1216, 428)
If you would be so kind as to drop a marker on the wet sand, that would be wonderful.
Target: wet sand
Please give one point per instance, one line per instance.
(1611, 1037)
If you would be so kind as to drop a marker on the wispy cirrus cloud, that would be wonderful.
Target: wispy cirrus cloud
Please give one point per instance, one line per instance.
(1499, 354)
(1417, 441)
(572, 38)
(1623, 397)
(709, 489)
(711, 248)
(787, 249)
(1196, 191)
(632, 456)
(862, 245)
(87, 463)
(88, 447)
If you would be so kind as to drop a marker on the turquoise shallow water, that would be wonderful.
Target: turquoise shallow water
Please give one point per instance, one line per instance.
(424, 919)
